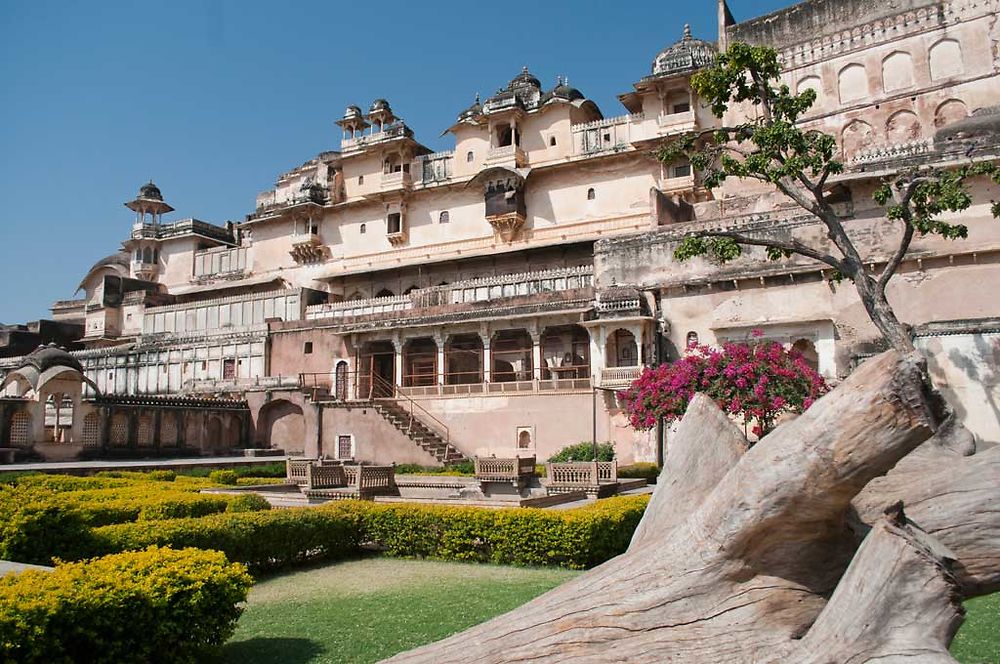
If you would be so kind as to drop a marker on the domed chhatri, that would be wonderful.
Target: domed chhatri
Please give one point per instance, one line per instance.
(379, 105)
(563, 90)
(46, 357)
(352, 112)
(524, 79)
(685, 55)
(473, 111)
(150, 191)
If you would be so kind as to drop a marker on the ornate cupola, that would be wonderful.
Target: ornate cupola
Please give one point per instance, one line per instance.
(380, 114)
(683, 56)
(143, 243)
(353, 123)
(149, 202)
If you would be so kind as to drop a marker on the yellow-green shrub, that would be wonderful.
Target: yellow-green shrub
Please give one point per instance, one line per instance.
(648, 471)
(248, 502)
(575, 538)
(157, 605)
(35, 527)
(254, 481)
(265, 539)
(225, 477)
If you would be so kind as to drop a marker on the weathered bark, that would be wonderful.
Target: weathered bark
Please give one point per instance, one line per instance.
(881, 312)
(952, 497)
(897, 602)
(742, 570)
(703, 449)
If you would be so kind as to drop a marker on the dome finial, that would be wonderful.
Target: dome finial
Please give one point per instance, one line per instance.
(687, 31)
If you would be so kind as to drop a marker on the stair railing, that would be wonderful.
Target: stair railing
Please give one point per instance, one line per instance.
(380, 386)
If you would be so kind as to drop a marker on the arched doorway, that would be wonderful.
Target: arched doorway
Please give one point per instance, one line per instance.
(168, 430)
(420, 362)
(565, 352)
(621, 349)
(144, 435)
(281, 425)
(92, 430)
(807, 349)
(463, 359)
(512, 361)
(213, 435)
(119, 430)
(377, 369)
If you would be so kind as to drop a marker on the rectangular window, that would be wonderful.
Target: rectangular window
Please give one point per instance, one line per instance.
(345, 447)
(682, 171)
(228, 369)
(307, 348)
(394, 223)
(682, 107)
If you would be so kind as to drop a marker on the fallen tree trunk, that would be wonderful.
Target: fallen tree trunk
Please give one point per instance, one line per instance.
(733, 563)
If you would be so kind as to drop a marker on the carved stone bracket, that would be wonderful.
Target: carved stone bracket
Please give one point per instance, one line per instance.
(507, 226)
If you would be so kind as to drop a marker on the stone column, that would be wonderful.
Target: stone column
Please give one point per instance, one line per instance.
(536, 353)
(397, 345)
(484, 334)
(440, 339)
(597, 341)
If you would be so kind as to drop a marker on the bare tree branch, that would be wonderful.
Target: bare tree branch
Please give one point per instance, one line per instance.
(789, 245)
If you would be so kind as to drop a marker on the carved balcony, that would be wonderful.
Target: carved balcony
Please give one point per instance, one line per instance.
(308, 248)
(508, 155)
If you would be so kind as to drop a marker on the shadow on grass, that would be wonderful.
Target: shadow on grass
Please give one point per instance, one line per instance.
(269, 650)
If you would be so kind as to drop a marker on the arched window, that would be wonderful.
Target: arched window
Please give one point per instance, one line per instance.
(853, 83)
(591, 194)
(385, 292)
(692, 339)
(552, 141)
(444, 218)
(363, 229)
(946, 59)
(469, 156)
(361, 179)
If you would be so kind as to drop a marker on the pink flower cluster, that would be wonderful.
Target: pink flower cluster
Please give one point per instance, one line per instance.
(756, 381)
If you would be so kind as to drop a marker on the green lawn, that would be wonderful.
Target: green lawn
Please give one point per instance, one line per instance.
(978, 640)
(367, 610)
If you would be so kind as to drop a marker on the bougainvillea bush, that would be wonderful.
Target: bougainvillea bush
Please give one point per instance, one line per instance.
(756, 381)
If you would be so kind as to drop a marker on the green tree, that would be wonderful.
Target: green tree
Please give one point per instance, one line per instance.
(771, 147)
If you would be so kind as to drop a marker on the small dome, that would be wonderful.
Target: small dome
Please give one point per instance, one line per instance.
(472, 111)
(46, 357)
(352, 112)
(379, 105)
(524, 79)
(150, 191)
(564, 91)
(685, 55)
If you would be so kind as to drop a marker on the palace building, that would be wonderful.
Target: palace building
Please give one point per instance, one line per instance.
(500, 292)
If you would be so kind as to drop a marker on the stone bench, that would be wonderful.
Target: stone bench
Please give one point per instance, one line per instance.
(337, 480)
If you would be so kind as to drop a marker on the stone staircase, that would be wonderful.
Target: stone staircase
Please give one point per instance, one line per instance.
(418, 432)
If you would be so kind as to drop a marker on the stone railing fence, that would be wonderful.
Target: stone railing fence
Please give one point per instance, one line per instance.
(582, 473)
(893, 151)
(511, 469)
(321, 476)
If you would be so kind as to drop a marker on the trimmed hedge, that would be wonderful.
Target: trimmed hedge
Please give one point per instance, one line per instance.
(576, 538)
(225, 477)
(648, 471)
(584, 452)
(157, 605)
(35, 527)
(262, 540)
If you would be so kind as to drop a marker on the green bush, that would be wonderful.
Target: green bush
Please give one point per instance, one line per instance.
(157, 605)
(576, 538)
(584, 452)
(255, 481)
(262, 540)
(162, 475)
(35, 527)
(463, 468)
(70, 482)
(248, 502)
(646, 471)
(226, 477)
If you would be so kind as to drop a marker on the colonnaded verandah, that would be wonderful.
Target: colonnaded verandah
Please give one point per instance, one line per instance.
(506, 288)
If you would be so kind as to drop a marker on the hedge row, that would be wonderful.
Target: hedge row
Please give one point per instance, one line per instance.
(576, 538)
(262, 540)
(156, 605)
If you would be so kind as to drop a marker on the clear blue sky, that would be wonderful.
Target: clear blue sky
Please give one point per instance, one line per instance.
(213, 99)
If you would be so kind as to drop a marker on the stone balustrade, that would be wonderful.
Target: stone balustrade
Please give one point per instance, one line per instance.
(507, 155)
(892, 152)
(619, 378)
(583, 474)
(516, 470)
(609, 134)
(485, 289)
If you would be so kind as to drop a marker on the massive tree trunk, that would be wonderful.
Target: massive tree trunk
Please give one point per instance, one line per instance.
(739, 550)
(882, 314)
